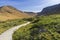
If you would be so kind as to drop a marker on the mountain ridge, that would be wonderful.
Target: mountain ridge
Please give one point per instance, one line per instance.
(9, 12)
(55, 9)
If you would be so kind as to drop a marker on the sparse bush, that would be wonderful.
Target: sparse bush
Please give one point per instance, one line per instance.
(10, 23)
(42, 28)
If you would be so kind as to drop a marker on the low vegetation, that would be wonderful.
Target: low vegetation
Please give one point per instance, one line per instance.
(42, 28)
(4, 25)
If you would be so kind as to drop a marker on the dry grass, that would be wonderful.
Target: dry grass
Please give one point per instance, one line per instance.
(7, 13)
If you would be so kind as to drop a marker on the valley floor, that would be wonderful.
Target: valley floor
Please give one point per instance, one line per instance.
(7, 35)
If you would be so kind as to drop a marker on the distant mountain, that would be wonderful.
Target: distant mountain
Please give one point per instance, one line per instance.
(31, 13)
(9, 12)
(55, 9)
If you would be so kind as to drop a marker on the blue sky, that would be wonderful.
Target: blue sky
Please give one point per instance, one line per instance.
(29, 5)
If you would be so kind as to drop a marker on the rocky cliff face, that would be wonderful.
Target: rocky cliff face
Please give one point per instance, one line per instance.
(55, 9)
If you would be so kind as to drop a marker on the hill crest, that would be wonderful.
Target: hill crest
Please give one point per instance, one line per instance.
(9, 12)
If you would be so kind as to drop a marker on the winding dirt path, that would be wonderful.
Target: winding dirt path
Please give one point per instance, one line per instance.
(7, 35)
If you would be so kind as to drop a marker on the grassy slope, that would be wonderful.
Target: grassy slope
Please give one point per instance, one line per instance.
(4, 25)
(47, 28)
(7, 13)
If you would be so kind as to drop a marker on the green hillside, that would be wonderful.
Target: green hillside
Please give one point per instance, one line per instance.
(5, 25)
(42, 28)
